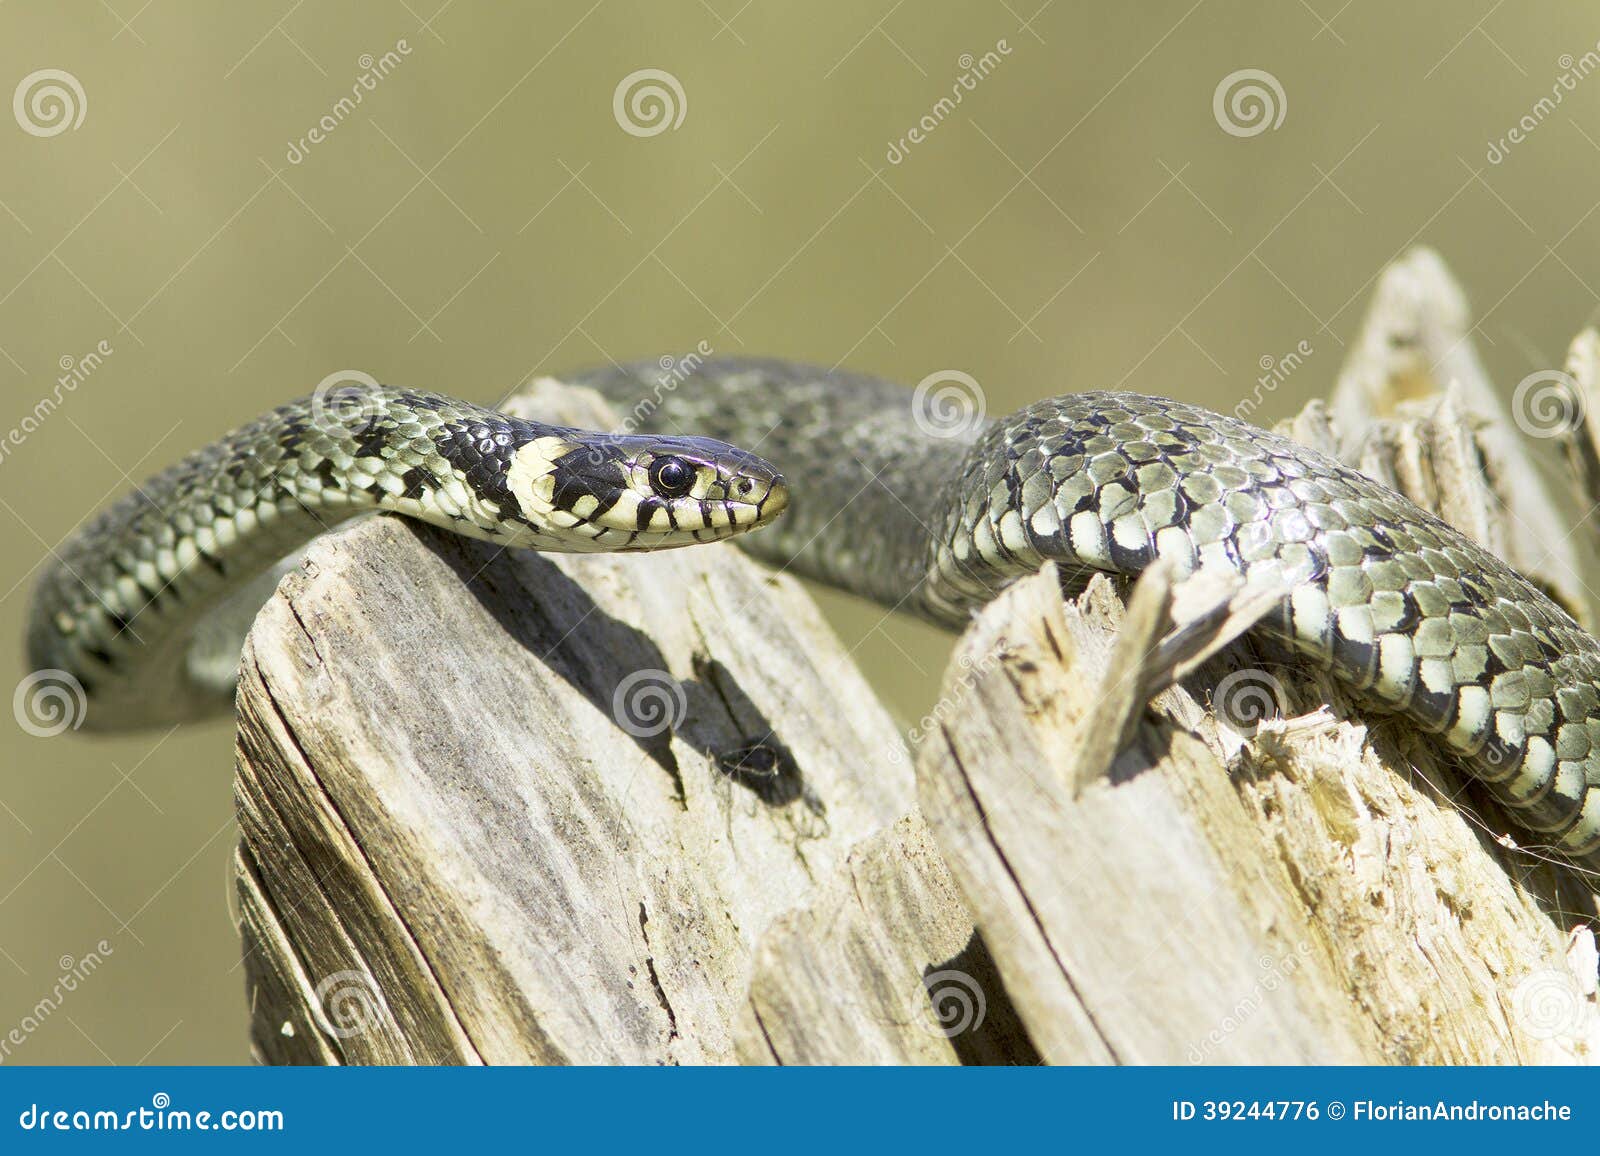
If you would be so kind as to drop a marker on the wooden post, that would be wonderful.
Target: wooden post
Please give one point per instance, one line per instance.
(501, 807)
(508, 807)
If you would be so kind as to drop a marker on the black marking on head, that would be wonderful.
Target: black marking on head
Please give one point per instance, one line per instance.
(482, 450)
(569, 486)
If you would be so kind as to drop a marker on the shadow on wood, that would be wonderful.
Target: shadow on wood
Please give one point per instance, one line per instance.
(501, 807)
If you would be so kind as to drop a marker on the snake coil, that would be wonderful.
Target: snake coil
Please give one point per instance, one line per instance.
(1413, 616)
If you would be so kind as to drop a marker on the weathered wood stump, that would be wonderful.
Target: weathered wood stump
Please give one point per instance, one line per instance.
(509, 807)
(501, 807)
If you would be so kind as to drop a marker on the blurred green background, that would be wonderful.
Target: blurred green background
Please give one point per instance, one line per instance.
(1080, 220)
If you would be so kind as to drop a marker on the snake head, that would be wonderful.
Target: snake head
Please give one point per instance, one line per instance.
(633, 492)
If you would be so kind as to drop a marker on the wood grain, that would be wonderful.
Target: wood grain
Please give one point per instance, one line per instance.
(460, 814)
(458, 846)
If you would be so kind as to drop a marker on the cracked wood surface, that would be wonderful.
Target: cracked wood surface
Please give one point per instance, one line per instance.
(1290, 898)
(452, 850)
(1326, 888)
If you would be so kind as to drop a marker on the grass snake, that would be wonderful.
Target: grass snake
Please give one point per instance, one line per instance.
(1413, 616)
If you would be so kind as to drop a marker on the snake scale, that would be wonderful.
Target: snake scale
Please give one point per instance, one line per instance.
(1414, 617)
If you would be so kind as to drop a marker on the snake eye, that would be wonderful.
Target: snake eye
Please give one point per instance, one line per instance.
(671, 477)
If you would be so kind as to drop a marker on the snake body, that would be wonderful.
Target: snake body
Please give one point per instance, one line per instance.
(144, 605)
(1409, 613)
